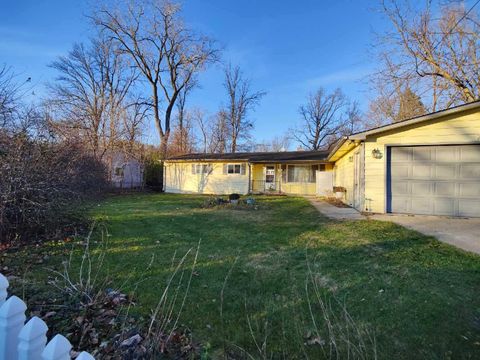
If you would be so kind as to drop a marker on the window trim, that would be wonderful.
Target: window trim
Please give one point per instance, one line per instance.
(319, 168)
(241, 169)
(204, 168)
(233, 166)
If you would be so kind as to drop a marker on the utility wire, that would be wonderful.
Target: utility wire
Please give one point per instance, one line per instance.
(456, 24)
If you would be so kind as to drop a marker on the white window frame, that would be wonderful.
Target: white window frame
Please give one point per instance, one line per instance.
(233, 165)
(303, 165)
(202, 169)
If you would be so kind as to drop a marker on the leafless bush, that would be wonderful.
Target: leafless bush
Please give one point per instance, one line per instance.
(41, 184)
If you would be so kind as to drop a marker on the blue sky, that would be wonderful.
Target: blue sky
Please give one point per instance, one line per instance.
(286, 48)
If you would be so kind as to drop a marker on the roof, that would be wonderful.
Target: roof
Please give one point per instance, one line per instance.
(345, 144)
(417, 119)
(257, 157)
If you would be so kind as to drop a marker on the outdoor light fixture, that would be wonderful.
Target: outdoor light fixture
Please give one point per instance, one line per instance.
(350, 158)
(377, 154)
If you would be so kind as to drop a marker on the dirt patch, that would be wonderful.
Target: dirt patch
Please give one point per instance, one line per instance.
(336, 202)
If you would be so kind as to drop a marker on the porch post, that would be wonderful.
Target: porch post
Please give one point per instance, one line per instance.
(249, 177)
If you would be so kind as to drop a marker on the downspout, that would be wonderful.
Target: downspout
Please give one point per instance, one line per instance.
(164, 177)
(249, 177)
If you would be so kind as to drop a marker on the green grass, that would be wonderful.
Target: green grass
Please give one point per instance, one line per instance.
(419, 298)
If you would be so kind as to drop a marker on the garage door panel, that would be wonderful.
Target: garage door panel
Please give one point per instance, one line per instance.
(445, 171)
(469, 153)
(401, 171)
(470, 171)
(434, 180)
(421, 188)
(402, 204)
(444, 206)
(471, 189)
(421, 154)
(445, 154)
(468, 207)
(421, 171)
(421, 205)
(401, 188)
(400, 154)
(445, 188)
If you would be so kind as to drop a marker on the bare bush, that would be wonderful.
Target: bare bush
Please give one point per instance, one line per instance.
(41, 183)
(101, 308)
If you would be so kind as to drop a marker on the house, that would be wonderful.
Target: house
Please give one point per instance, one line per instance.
(126, 171)
(291, 172)
(425, 165)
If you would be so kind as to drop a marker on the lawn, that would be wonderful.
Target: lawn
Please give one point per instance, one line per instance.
(271, 282)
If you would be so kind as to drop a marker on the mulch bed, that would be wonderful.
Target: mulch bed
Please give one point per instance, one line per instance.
(336, 202)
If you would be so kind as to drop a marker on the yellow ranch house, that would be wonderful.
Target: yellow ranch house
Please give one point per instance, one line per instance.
(425, 165)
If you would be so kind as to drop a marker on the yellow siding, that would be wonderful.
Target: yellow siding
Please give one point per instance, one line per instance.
(344, 173)
(258, 176)
(299, 188)
(179, 179)
(453, 129)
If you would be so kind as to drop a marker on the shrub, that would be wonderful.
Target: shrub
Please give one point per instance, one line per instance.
(154, 171)
(41, 184)
(233, 197)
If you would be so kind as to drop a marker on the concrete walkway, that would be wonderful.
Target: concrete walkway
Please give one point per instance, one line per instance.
(462, 233)
(334, 212)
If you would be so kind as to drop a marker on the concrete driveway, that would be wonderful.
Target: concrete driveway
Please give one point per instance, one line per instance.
(462, 233)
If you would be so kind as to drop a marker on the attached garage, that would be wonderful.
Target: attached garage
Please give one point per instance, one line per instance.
(427, 165)
(434, 180)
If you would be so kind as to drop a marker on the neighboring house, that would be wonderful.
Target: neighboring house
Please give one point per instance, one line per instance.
(425, 165)
(292, 172)
(126, 172)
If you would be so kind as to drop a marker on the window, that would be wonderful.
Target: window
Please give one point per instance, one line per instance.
(118, 171)
(232, 169)
(201, 169)
(301, 173)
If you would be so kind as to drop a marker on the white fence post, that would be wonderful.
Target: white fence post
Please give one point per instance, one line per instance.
(32, 339)
(3, 289)
(57, 349)
(29, 341)
(85, 356)
(12, 318)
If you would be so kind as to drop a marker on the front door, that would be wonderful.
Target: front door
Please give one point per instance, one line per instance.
(270, 178)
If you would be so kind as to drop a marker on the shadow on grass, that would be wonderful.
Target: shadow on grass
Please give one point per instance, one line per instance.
(419, 296)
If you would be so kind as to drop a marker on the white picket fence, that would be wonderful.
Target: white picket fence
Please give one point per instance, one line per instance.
(20, 341)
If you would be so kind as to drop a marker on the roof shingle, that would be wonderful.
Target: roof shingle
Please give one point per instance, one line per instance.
(283, 156)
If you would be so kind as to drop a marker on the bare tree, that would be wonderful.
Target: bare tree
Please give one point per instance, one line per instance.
(220, 133)
(241, 100)
(276, 144)
(183, 135)
(166, 52)
(183, 129)
(89, 95)
(133, 120)
(436, 56)
(11, 91)
(325, 117)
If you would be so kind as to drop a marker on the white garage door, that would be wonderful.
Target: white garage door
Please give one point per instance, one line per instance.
(434, 180)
